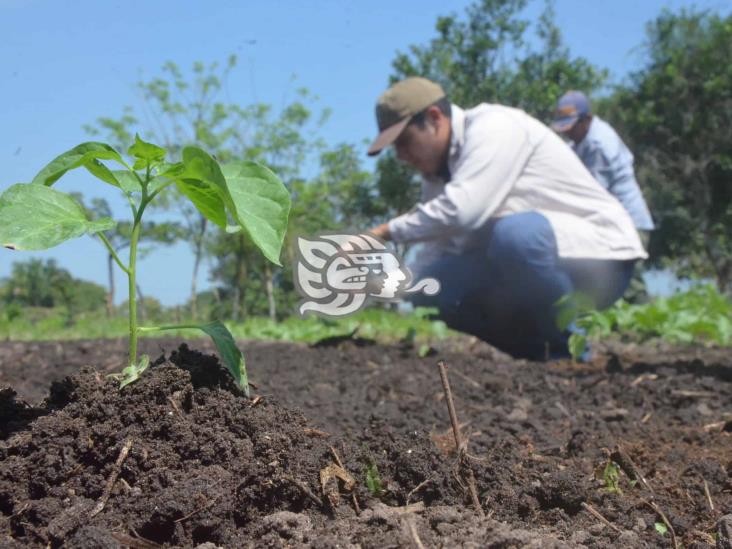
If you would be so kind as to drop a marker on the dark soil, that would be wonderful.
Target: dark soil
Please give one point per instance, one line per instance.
(182, 458)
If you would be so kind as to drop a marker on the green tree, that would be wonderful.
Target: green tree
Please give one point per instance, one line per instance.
(543, 75)
(42, 283)
(30, 283)
(676, 113)
(471, 57)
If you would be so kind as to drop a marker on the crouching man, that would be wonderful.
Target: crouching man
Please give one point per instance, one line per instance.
(510, 219)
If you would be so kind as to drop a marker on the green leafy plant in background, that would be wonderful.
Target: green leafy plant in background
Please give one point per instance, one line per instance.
(437, 329)
(240, 196)
(702, 314)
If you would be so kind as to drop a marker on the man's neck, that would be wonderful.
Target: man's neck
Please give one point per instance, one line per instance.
(584, 130)
(444, 171)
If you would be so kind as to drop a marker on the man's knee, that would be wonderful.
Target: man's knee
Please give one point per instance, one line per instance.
(521, 237)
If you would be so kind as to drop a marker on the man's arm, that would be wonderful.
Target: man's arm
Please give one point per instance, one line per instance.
(598, 164)
(381, 231)
(494, 154)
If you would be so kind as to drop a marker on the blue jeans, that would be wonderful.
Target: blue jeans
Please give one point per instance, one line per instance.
(506, 293)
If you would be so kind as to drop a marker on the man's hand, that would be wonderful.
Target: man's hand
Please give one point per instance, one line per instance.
(382, 231)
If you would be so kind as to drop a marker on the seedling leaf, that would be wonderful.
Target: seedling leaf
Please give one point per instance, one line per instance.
(373, 481)
(577, 345)
(424, 350)
(35, 217)
(661, 528)
(229, 352)
(260, 203)
(611, 477)
(146, 152)
(132, 372)
(127, 181)
(425, 312)
(87, 155)
(205, 198)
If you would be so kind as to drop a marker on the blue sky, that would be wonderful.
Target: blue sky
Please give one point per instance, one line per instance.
(63, 64)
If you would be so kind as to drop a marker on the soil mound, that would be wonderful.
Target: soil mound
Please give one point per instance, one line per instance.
(182, 458)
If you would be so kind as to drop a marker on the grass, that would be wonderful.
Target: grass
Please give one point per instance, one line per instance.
(379, 324)
(700, 315)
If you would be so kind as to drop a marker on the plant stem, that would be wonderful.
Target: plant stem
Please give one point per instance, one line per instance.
(132, 289)
(163, 186)
(149, 329)
(113, 253)
(132, 269)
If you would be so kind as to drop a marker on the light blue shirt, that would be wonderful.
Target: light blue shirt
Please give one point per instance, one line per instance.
(611, 163)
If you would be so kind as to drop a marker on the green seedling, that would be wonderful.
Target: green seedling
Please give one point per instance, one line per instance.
(436, 329)
(373, 481)
(132, 372)
(610, 476)
(424, 350)
(661, 528)
(240, 196)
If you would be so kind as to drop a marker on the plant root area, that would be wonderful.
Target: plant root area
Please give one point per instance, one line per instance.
(348, 444)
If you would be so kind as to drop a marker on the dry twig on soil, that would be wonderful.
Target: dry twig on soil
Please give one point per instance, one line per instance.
(628, 466)
(315, 432)
(468, 379)
(413, 531)
(709, 496)
(664, 518)
(416, 488)
(594, 512)
(356, 506)
(134, 543)
(458, 443)
(305, 490)
(112, 478)
(175, 407)
(202, 508)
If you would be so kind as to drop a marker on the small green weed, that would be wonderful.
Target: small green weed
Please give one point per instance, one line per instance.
(610, 476)
(373, 481)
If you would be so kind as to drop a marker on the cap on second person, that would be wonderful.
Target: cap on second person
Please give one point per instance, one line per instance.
(570, 107)
(398, 104)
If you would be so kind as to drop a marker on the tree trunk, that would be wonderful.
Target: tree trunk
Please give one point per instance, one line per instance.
(198, 254)
(110, 293)
(269, 285)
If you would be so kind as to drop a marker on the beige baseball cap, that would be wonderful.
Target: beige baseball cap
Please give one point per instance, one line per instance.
(398, 105)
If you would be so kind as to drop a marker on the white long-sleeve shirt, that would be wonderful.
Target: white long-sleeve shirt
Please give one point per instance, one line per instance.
(502, 161)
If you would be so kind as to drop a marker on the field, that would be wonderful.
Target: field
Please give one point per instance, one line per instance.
(348, 443)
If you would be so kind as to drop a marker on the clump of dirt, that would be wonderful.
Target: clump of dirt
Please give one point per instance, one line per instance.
(181, 458)
(349, 444)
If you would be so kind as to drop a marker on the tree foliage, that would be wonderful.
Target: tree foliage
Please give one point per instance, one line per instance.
(488, 56)
(676, 113)
(42, 283)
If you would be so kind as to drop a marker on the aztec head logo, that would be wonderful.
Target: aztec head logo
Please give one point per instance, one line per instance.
(338, 273)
